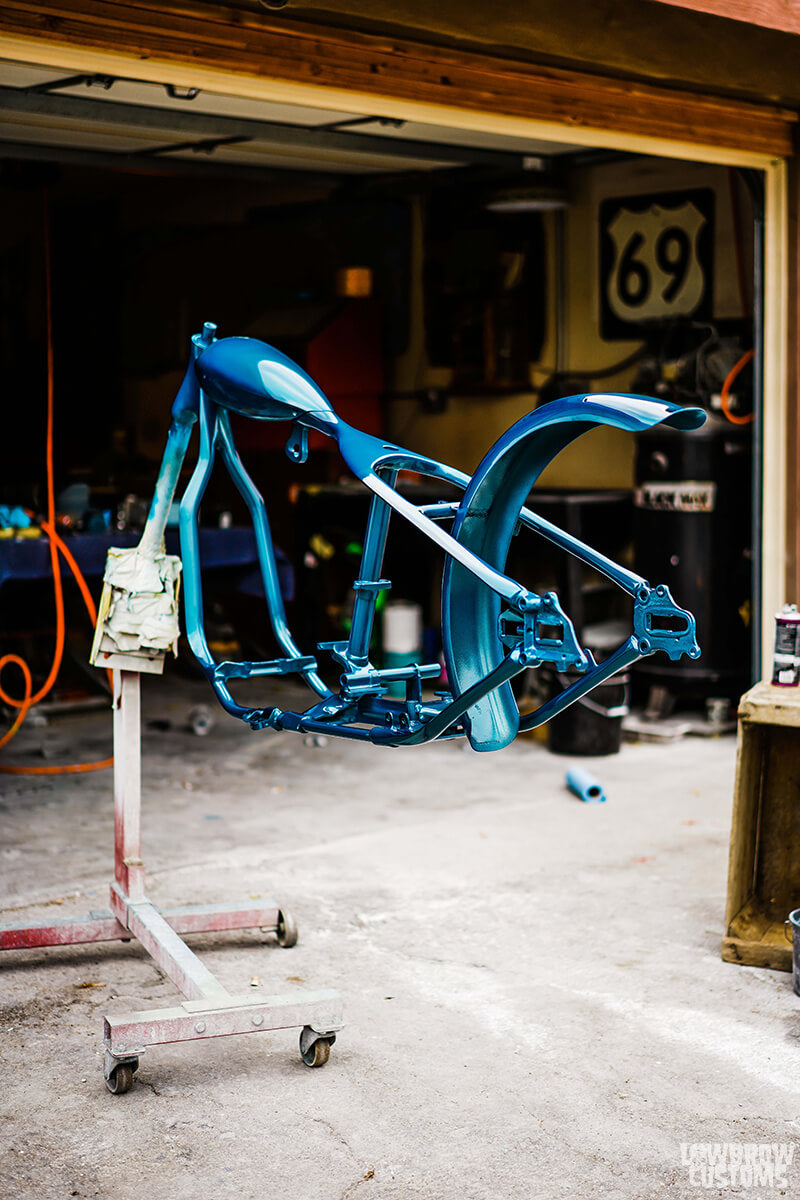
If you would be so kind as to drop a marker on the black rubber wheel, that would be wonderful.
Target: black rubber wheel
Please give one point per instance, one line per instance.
(287, 929)
(121, 1079)
(318, 1053)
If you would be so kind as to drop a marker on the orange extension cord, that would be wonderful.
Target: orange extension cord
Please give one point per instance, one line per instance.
(56, 545)
(726, 389)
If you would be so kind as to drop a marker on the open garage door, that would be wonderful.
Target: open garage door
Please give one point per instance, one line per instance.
(223, 120)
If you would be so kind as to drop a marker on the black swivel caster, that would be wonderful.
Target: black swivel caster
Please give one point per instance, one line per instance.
(119, 1073)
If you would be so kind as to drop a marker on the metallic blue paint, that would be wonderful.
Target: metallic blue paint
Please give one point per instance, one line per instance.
(493, 627)
(485, 523)
(238, 374)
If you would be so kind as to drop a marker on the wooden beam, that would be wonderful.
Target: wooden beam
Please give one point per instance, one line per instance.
(771, 14)
(252, 45)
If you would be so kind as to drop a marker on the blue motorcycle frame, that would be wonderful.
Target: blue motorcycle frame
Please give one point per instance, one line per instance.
(493, 628)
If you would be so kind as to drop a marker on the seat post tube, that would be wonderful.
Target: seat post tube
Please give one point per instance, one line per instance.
(371, 564)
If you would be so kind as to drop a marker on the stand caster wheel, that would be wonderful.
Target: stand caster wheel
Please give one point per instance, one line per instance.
(119, 1079)
(287, 929)
(315, 1050)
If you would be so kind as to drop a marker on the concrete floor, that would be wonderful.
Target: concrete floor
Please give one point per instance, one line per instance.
(535, 1002)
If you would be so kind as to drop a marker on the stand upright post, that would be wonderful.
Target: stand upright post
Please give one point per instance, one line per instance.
(128, 865)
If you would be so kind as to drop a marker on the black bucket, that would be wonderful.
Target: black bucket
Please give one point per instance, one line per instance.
(793, 923)
(593, 724)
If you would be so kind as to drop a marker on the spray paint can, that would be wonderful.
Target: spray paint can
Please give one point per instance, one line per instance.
(786, 656)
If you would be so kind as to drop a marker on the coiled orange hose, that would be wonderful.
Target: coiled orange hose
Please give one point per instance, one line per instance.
(56, 545)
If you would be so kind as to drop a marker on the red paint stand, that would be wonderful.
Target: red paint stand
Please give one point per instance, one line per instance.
(208, 1010)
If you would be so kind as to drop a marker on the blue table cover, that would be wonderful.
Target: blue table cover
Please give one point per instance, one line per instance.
(29, 558)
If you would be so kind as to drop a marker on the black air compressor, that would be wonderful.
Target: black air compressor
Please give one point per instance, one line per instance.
(692, 531)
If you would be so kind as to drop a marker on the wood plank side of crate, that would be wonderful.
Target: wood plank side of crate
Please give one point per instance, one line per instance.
(763, 868)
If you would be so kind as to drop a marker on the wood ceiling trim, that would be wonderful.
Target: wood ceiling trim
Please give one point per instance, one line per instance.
(243, 43)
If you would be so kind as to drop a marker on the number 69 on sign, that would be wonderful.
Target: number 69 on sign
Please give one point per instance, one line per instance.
(656, 260)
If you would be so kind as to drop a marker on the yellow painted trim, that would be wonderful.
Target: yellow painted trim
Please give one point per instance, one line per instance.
(774, 492)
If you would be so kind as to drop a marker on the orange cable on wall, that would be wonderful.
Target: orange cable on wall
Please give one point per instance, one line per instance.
(726, 391)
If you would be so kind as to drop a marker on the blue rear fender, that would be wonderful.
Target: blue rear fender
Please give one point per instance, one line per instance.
(485, 523)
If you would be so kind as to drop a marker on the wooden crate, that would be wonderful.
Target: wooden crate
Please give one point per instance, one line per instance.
(764, 865)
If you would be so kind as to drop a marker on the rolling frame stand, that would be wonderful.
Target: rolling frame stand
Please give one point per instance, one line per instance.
(208, 1010)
